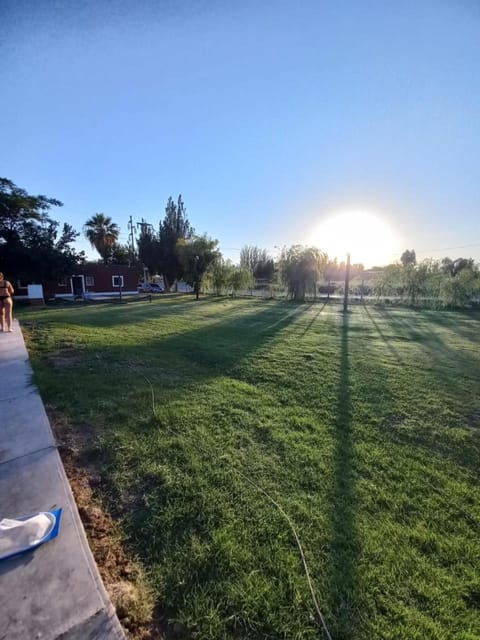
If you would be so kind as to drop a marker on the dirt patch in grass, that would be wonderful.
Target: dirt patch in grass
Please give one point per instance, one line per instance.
(123, 578)
(68, 358)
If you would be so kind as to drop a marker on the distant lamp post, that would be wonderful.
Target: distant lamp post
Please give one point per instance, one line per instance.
(347, 284)
(196, 284)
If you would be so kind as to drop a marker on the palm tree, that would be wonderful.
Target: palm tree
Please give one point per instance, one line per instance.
(102, 234)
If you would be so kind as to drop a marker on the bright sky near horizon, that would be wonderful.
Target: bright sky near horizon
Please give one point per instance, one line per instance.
(270, 118)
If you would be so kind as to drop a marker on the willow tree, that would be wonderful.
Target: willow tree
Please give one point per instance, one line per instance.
(301, 268)
(196, 255)
(240, 278)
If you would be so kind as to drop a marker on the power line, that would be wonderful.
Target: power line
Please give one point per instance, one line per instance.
(461, 246)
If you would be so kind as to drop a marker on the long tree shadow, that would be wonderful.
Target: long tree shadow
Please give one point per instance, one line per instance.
(450, 371)
(442, 350)
(382, 335)
(314, 318)
(175, 364)
(344, 548)
(411, 326)
(110, 316)
(461, 323)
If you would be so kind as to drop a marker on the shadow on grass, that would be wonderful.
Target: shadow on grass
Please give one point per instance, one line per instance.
(111, 316)
(182, 362)
(315, 318)
(186, 509)
(344, 549)
(382, 335)
(175, 364)
(424, 329)
(444, 350)
(462, 323)
(451, 370)
(196, 354)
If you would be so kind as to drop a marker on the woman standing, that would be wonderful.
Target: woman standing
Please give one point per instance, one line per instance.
(6, 303)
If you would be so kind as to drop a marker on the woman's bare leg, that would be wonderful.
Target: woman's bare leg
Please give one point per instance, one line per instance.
(2, 315)
(8, 306)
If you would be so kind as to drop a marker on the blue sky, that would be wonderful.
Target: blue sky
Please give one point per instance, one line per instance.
(268, 117)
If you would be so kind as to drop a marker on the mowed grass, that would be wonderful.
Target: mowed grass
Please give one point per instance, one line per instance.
(364, 427)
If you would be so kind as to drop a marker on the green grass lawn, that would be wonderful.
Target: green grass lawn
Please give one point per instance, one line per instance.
(365, 428)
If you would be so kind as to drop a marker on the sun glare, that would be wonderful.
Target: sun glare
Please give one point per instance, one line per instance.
(365, 236)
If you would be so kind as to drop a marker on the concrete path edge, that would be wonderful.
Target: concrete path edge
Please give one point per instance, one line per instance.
(55, 592)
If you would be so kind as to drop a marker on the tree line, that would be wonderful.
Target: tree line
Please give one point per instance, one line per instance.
(33, 246)
(36, 248)
(437, 283)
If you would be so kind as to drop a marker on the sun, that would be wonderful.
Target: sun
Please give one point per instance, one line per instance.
(367, 237)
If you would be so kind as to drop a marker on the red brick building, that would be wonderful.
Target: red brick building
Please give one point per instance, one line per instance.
(96, 279)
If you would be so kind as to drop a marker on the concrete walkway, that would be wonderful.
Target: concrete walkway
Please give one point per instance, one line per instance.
(55, 592)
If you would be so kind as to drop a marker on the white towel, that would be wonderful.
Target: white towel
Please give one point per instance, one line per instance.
(16, 535)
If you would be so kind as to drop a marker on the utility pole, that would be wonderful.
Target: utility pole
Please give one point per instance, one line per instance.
(131, 238)
(120, 288)
(145, 227)
(347, 283)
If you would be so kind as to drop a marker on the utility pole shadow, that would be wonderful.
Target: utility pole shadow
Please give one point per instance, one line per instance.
(344, 546)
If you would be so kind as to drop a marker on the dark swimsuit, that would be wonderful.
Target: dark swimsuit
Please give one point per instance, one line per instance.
(4, 285)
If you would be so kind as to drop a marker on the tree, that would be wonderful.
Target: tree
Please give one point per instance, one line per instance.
(49, 256)
(301, 268)
(429, 283)
(219, 275)
(32, 248)
(415, 281)
(333, 270)
(149, 248)
(102, 234)
(239, 278)
(174, 227)
(408, 258)
(17, 208)
(196, 255)
(250, 256)
(121, 254)
(388, 281)
(458, 291)
(454, 267)
(258, 261)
